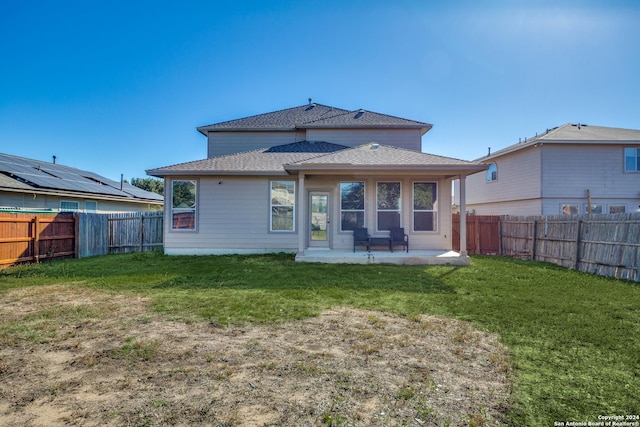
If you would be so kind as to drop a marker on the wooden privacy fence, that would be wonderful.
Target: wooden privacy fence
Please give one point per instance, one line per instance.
(608, 245)
(32, 237)
(120, 232)
(482, 234)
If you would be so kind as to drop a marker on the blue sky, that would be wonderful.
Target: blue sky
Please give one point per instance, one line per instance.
(118, 87)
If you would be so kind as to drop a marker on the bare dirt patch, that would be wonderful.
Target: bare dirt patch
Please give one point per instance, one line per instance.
(72, 356)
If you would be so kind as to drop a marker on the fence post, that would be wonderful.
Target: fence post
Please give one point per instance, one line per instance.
(36, 238)
(577, 243)
(476, 223)
(533, 244)
(500, 250)
(76, 232)
(142, 232)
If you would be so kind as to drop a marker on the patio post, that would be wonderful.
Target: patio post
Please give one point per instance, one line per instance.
(301, 220)
(463, 215)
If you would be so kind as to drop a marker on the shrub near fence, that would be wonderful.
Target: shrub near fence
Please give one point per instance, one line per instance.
(607, 245)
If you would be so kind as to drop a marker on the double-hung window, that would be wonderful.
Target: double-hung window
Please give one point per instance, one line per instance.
(351, 205)
(388, 205)
(183, 204)
(632, 159)
(425, 206)
(283, 203)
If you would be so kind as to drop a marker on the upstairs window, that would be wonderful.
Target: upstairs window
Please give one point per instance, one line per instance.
(351, 205)
(425, 213)
(283, 201)
(183, 204)
(632, 159)
(388, 204)
(492, 173)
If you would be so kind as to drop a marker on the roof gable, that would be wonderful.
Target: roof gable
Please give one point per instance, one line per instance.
(315, 116)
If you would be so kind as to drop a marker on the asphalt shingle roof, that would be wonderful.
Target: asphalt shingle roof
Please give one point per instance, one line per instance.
(314, 116)
(373, 154)
(269, 160)
(315, 155)
(575, 134)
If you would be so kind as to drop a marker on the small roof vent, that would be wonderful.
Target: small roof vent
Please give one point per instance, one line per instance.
(374, 146)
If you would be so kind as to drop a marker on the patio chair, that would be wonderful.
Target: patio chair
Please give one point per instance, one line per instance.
(399, 238)
(361, 237)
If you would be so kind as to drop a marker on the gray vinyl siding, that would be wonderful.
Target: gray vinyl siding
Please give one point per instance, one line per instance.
(223, 143)
(403, 138)
(519, 178)
(540, 180)
(233, 216)
(49, 201)
(519, 207)
(570, 171)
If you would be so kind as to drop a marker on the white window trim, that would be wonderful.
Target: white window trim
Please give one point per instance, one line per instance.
(194, 209)
(435, 205)
(293, 206)
(624, 159)
(363, 210)
(399, 210)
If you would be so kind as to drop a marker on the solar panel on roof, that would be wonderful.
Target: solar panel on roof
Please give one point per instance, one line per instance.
(60, 177)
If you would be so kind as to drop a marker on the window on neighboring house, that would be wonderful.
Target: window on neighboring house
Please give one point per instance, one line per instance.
(596, 208)
(617, 209)
(283, 201)
(388, 204)
(425, 208)
(568, 209)
(351, 205)
(632, 159)
(66, 206)
(183, 204)
(90, 206)
(492, 173)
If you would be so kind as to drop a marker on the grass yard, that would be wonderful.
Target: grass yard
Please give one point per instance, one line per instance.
(573, 338)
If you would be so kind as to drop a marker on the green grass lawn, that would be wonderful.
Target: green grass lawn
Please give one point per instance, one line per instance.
(574, 338)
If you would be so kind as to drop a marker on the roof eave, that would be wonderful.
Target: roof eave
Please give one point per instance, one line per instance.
(162, 174)
(50, 192)
(441, 169)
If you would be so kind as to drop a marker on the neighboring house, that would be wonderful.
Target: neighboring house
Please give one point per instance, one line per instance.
(571, 169)
(303, 178)
(27, 184)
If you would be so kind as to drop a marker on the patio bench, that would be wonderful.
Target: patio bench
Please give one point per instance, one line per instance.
(381, 241)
